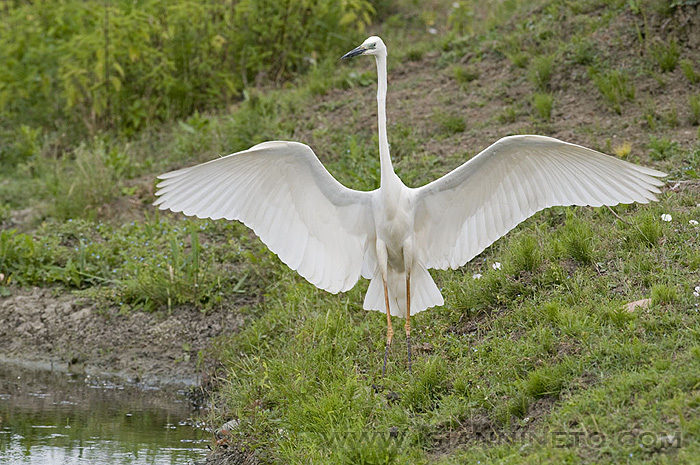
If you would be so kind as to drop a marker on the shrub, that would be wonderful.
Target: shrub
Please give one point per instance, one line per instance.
(121, 65)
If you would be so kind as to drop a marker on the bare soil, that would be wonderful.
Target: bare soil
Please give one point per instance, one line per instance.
(51, 330)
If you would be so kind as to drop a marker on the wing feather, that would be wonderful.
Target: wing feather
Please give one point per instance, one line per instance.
(465, 211)
(316, 226)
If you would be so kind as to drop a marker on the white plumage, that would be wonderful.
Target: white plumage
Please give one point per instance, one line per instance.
(332, 235)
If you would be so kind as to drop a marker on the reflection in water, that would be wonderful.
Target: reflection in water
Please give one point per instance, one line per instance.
(53, 418)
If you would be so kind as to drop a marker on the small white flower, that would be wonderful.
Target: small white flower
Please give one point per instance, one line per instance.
(697, 291)
(496, 266)
(476, 276)
(455, 5)
(666, 217)
(693, 223)
(433, 31)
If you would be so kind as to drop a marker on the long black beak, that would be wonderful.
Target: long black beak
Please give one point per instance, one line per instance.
(354, 52)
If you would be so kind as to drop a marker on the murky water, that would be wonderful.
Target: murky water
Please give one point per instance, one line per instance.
(58, 419)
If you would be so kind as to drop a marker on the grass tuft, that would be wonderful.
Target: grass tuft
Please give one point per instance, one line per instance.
(579, 240)
(661, 148)
(449, 123)
(662, 294)
(525, 255)
(540, 71)
(542, 104)
(623, 150)
(647, 230)
(464, 74)
(666, 54)
(694, 103)
(615, 87)
(689, 72)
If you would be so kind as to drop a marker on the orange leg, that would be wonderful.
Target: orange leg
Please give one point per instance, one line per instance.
(408, 318)
(390, 330)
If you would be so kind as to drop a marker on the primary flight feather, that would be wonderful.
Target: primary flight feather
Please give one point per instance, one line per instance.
(332, 235)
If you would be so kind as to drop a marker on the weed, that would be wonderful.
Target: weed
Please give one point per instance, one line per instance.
(525, 255)
(449, 123)
(547, 381)
(671, 117)
(623, 150)
(542, 103)
(511, 47)
(415, 54)
(689, 71)
(666, 54)
(663, 294)
(694, 103)
(614, 86)
(540, 71)
(646, 230)
(428, 385)
(80, 188)
(583, 52)
(464, 75)
(578, 240)
(661, 148)
(509, 114)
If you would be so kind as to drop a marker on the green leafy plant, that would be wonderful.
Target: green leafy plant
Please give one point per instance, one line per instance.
(661, 148)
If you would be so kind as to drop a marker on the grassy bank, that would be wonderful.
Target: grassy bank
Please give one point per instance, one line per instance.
(534, 357)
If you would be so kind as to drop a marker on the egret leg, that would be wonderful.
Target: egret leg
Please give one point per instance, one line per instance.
(390, 330)
(408, 319)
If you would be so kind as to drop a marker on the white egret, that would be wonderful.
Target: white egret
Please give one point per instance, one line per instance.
(331, 235)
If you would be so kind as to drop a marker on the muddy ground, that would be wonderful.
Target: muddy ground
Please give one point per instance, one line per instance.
(46, 329)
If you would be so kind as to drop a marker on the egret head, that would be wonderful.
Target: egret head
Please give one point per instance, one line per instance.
(371, 46)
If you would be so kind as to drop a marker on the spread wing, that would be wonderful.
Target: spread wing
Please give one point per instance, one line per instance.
(316, 226)
(465, 211)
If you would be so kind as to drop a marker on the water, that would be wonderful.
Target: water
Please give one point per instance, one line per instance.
(49, 418)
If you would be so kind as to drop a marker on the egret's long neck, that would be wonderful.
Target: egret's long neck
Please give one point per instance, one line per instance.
(387, 170)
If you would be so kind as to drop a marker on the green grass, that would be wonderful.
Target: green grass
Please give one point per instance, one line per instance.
(449, 123)
(661, 148)
(464, 75)
(614, 86)
(542, 105)
(540, 71)
(694, 104)
(689, 71)
(539, 360)
(665, 54)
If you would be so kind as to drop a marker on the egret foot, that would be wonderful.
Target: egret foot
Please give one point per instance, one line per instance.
(389, 337)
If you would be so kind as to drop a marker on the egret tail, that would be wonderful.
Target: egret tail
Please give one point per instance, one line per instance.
(424, 292)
